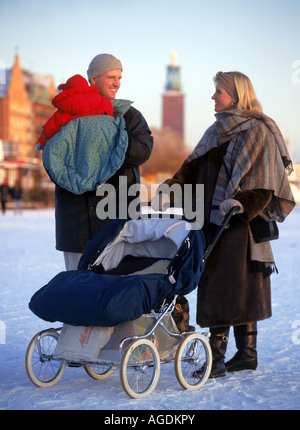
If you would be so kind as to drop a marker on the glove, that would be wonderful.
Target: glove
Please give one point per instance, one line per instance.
(160, 202)
(228, 204)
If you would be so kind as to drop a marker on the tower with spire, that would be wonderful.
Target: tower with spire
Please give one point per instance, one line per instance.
(173, 98)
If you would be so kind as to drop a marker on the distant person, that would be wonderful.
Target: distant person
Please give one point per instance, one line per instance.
(77, 98)
(16, 193)
(4, 191)
(243, 162)
(75, 214)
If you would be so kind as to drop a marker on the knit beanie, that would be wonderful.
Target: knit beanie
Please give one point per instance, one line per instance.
(103, 63)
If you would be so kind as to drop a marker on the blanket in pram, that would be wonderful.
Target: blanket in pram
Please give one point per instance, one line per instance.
(128, 269)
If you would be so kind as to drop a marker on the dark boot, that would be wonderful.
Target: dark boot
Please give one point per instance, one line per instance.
(246, 356)
(218, 342)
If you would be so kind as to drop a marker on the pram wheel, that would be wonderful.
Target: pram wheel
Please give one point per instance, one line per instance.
(99, 371)
(192, 354)
(42, 369)
(140, 368)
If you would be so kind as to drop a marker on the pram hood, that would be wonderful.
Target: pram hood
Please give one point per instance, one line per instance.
(84, 297)
(144, 238)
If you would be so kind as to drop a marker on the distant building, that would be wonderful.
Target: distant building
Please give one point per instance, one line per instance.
(25, 106)
(41, 90)
(173, 99)
(169, 150)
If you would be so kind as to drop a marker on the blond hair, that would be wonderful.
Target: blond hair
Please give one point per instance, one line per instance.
(246, 94)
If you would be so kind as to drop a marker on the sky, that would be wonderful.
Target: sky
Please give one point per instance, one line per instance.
(260, 38)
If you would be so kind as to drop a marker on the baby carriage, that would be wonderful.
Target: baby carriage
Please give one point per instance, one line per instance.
(117, 308)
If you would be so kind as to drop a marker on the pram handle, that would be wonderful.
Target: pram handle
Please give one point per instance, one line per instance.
(222, 226)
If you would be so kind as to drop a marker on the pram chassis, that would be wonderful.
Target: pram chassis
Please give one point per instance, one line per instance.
(140, 359)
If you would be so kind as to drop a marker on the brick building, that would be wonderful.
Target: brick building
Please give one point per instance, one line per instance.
(25, 106)
(173, 99)
(169, 150)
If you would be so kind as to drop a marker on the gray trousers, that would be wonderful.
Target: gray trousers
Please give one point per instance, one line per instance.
(72, 260)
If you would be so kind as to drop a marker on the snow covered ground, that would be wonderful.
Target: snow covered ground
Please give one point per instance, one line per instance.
(28, 260)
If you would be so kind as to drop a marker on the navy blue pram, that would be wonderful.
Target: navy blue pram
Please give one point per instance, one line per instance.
(129, 268)
(121, 301)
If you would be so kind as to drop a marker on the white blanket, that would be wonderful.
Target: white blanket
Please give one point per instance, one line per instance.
(159, 238)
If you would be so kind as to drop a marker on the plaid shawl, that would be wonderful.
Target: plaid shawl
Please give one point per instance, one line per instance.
(256, 157)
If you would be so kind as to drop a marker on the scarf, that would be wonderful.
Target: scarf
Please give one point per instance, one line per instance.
(256, 157)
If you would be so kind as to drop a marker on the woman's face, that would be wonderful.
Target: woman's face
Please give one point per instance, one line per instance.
(222, 99)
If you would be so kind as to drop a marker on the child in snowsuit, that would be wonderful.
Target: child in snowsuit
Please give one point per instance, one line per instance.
(77, 98)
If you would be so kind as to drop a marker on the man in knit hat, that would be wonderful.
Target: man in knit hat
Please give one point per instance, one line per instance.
(105, 71)
(75, 215)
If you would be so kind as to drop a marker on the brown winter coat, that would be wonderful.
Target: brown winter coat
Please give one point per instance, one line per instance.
(229, 292)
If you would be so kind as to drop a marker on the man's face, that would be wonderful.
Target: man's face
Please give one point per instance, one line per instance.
(108, 83)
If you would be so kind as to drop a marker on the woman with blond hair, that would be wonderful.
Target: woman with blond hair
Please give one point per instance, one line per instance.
(242, 160)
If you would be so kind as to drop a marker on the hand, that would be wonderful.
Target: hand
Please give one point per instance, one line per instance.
(160, 202)
(230, 203)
